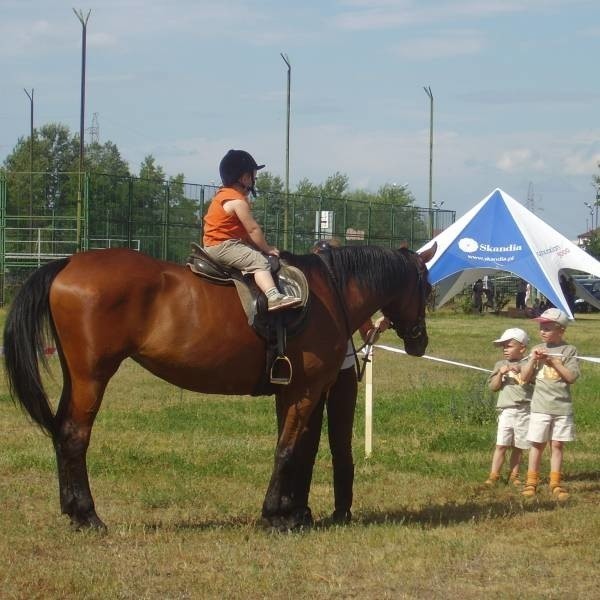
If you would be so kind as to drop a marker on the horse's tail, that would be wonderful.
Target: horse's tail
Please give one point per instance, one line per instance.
(25, 333)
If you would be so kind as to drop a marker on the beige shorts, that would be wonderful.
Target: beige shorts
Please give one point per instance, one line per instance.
(238, 254)
(513, 424)
(543, 428)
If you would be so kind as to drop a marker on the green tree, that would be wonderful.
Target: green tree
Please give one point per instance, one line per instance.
(592, 246)
(105, 158)
(53, 182)
(269, 206)
(335, 186)
(307, 188)
(266, 183)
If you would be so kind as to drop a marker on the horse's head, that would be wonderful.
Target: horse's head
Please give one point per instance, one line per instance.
(407, 312)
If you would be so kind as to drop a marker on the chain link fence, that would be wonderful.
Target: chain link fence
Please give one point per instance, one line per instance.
(45, 216)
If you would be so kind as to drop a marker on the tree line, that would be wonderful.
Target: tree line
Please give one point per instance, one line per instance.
(56, 150)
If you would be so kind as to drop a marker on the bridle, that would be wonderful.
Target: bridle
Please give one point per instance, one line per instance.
(412, 333)
(419, 329)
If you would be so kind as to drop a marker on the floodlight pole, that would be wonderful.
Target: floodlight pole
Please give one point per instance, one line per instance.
(83, 20)
(30, 96)
(430, 96)
(590, 207)
(287, 153)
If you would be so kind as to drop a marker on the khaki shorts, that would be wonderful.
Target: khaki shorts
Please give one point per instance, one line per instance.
(543, 428)
(240, 255)
(513, 424)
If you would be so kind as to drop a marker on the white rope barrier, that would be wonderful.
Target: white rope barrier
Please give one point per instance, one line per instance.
(442, 360)
(369, 386)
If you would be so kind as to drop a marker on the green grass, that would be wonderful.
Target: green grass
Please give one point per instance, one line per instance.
(179, 478)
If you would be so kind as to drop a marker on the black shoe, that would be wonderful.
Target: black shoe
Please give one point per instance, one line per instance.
(341, 517)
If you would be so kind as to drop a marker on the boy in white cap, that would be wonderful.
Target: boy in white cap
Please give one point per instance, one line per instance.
(553, 367)
(513, 403)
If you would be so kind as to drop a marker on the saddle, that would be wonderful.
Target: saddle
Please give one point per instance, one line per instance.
(273, 327)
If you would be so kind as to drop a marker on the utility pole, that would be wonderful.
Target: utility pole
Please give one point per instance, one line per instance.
(30, 96)
(287, 153)
(83, 20)
(430, 96)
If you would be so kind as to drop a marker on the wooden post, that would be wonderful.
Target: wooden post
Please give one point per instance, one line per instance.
(369, 405)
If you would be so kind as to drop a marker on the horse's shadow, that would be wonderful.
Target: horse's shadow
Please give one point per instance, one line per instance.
(584, 476)
(430, 516)
(453, 513)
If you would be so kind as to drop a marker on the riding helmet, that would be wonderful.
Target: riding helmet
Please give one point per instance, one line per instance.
(234, 164)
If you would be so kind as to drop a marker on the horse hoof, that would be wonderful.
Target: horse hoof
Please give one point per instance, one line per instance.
(80, 523)
(298, 519)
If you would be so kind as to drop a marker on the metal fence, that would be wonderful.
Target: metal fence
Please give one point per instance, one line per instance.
(44, 216)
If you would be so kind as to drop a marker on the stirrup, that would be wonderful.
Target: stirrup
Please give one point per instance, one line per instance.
(281, 370)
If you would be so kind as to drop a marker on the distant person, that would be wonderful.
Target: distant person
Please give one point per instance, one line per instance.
(513, 404)
(477, 298)
(567, 285)
(232, 237)
(520, 297)
(490, 293)
(553, 367)
(528, 291)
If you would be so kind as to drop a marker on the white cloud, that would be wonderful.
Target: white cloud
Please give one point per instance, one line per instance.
(581, 164)
(520, 160)
(101, 40)
(387, 14)
(444, 45)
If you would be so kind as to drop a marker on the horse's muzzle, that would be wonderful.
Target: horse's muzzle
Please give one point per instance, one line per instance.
(416, 347)
(415, 339)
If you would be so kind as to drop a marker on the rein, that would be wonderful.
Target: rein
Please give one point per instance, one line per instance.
(340, 298)
(367, 347)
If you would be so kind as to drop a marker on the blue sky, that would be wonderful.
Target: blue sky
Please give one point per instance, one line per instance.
(515, 84)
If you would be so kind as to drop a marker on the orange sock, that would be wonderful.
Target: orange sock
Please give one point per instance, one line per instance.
(533, 478)
(554, 479)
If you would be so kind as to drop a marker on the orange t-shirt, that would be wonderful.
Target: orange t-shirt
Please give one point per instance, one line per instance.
(219, 225)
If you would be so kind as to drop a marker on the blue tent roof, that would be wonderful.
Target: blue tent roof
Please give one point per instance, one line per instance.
(501, 234)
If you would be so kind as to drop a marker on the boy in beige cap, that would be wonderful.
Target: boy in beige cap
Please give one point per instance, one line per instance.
(513, 404)
(553, 367)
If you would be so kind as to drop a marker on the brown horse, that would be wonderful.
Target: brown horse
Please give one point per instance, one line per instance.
(103, 306)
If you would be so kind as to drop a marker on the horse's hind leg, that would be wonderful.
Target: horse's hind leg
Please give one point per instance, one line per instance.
(77, 411)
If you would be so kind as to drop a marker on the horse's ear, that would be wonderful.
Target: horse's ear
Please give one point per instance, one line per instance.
(428, 254)
(403, 245)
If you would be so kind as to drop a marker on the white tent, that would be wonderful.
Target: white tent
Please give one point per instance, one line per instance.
(500, 234)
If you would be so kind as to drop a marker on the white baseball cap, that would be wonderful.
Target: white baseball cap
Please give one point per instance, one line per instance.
(553, 315)
(514, 333)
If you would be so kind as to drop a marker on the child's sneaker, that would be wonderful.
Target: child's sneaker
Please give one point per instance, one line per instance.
(560, 493)
(280, 301)
(529, 491)
(492, 480)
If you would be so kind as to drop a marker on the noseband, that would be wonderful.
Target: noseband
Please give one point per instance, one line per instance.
(419, 329)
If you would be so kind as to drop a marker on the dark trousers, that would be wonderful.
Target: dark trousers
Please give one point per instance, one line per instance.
(341, 404)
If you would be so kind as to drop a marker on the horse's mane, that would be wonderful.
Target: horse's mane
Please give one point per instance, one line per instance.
(378, 269)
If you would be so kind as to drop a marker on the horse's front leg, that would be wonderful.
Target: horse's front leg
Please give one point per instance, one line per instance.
(285, 503)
